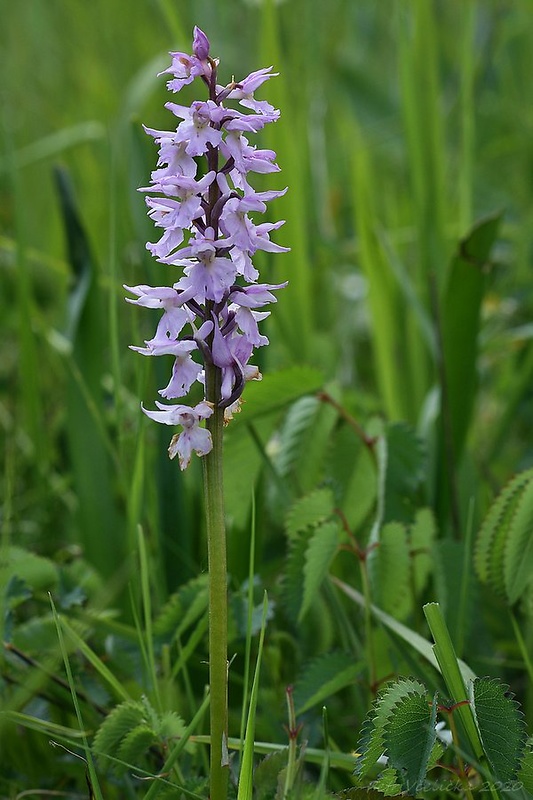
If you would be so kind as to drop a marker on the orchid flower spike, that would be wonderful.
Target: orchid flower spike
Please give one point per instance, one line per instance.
(201, 199)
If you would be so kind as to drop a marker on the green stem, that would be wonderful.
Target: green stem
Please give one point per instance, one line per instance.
(293, 730)
(218, 626)
(368, 626)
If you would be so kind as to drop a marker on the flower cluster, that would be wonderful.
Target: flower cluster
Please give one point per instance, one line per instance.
(201, 199)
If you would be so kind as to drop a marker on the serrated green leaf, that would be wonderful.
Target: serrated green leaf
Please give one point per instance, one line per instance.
(311, 467)
(422, 535)
(319, 554)
(309, 511)
(171, 725)
(504, 537)
(372, 741)
(134, 745)
(492, 523)
(404, 471)
(300, 417)
(323, 677)
(388, 783)
(123, 719)
(361, 488)
(267, 774)
(409, 738)
(293, 577)
(150, 715)
(390, 569)
(500, 724)
(518, 554)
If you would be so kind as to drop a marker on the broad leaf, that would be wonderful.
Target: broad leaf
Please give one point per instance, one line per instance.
(421, 535)
(500, 724)
(267, 774)
(320, 552)
(134, 745)
(300, 417)
(292, 587)
(390, 568)
(310, 511)
(123, 719)
(518, 555)
(371, 745)
(388, 783)
(409, 738)
(504, 547)
(405, 471)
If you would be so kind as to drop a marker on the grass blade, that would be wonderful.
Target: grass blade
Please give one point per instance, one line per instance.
(95, 786)
(245, 790)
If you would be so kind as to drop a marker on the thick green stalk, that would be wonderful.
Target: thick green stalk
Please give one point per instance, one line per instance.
(218, 645)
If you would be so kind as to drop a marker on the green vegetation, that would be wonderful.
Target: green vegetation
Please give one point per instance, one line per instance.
(378, 481)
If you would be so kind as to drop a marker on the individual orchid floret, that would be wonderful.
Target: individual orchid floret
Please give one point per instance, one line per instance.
(173, 156)
(197, 129)
(177, 213)
(192, 437)
(244, 91)
(175, 316)
(207, 276)
(184, 372)
(255, 295)
(241, 231)
(201, 197)
(186, 68)
(246, 158)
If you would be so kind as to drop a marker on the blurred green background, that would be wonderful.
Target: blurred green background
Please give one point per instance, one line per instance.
(402, 123)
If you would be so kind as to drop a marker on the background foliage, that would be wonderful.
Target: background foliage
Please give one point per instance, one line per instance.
(395, 406)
